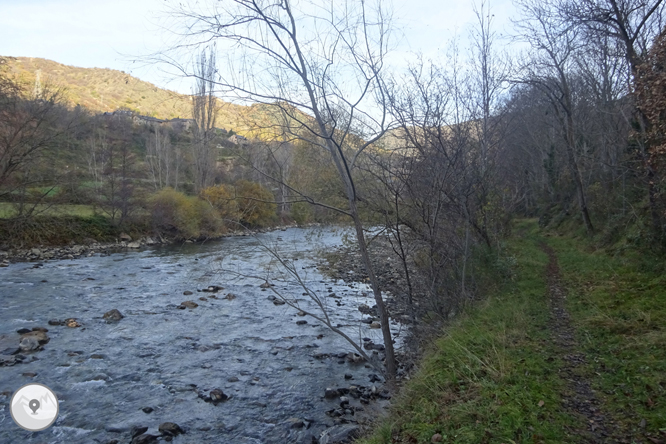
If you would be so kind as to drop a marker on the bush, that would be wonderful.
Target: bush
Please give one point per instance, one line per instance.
(185, 216)
(302, 213)
(255, 207)
(222, 198)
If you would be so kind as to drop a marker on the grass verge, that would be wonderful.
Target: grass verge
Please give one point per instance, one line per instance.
(493, 376)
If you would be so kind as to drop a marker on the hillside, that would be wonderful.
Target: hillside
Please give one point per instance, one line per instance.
(104, 90)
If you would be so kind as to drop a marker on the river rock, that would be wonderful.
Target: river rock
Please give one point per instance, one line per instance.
(113, 315)
(146, 438)
(189, 304)
(28, 344)
(217, 396)
(331, 393)
(39, 336)
(265, 285)
(213, 289)
(301, 322)
(147, 410)
(45, 330)
(230, 297)
(134, 245)
(344, 433)
(295, 423)
(124, 237)
(363, 308)
(137, 430)
(56, 322)
(375, 325)
(23, 331)
(278, 301)
(72, 323)
(170, 429)
(187, 293)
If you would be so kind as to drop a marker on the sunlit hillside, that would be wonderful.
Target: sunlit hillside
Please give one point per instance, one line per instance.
(105, 90)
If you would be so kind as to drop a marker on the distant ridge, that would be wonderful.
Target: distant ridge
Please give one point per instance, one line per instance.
(106, 90)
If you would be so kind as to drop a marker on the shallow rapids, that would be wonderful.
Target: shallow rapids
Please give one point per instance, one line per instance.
(162, 358)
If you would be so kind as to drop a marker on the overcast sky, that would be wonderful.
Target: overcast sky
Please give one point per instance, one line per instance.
(105, 34)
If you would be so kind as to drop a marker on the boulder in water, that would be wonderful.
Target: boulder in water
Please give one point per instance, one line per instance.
(40, 336)
(170, 429)
(137, 430)
(217, 396)
(72, 323)
(189, 304)
(145, 438)
(113, 315)
(339, 434)
(29, 344)
(213, 289)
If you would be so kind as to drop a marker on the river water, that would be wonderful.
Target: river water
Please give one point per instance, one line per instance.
(162, 357)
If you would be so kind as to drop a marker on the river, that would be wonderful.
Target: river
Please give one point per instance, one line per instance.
(162, 358)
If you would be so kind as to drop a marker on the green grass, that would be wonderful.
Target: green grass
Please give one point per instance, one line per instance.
(618, 305)
(485, 378)
(8, 210)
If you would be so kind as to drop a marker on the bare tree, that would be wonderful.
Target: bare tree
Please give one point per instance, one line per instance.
(29, 127)
(320, 64)
(163, 158)
(204, 113)
(549, 68)
(635, 24)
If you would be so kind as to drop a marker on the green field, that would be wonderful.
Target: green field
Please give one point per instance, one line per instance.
(8, 210)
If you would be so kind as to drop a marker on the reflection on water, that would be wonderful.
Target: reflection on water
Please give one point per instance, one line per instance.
(161, 357)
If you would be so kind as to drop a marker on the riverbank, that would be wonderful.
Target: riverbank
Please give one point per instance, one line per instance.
(83, 245)
(571, 350)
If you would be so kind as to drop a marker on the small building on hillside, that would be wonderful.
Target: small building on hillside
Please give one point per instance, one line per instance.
(147, 120)
(238, 140)
(179, 124)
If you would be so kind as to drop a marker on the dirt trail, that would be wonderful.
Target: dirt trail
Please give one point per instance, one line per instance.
(579, 398)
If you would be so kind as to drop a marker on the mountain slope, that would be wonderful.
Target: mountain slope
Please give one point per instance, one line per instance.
(103, 90)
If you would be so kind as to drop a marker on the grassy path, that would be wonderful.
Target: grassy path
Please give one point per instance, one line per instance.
(570, 348)
(578, 398)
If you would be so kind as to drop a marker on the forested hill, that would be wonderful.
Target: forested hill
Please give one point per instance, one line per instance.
(103, 90)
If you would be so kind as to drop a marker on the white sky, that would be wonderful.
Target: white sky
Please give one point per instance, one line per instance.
(107, 33)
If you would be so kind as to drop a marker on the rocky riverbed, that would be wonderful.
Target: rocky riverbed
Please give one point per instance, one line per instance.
(190, 343)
